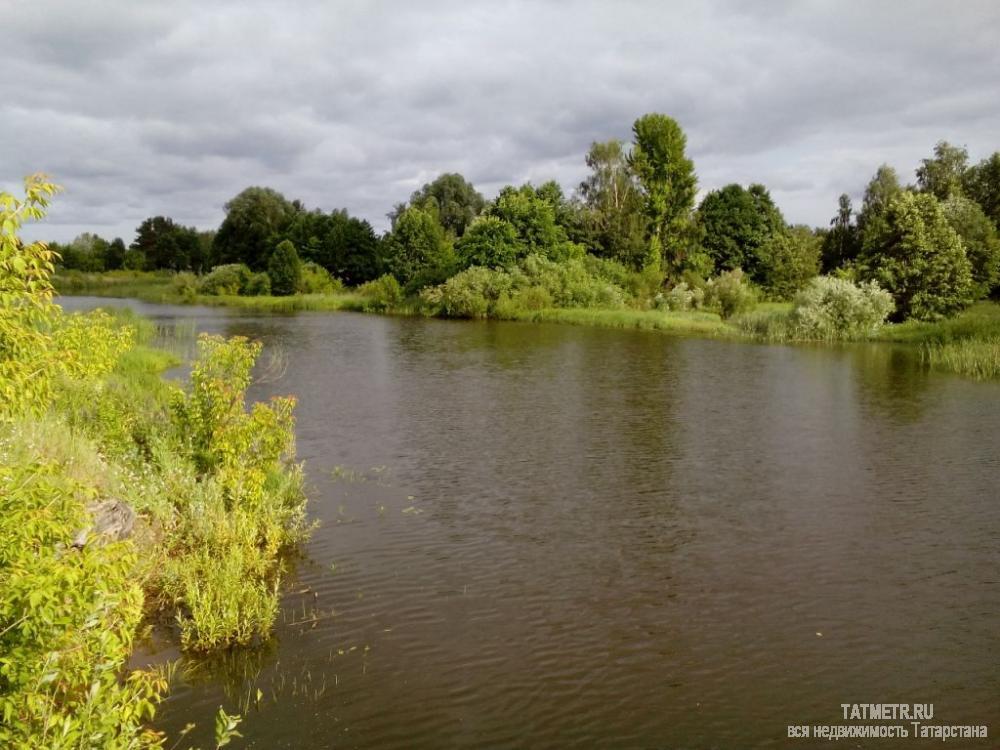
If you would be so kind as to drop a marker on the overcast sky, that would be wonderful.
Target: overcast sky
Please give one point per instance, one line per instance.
(172, 108)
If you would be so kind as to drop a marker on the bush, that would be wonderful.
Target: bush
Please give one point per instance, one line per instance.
(317, 280)
(226, 280)
(67, 620)
(472, 293)
(681, 298)
(185, 285)
(380, 295)
(569, 283)
(285, 269)
(247, 506)
(831, 308)
(258, 285)
(729, 294)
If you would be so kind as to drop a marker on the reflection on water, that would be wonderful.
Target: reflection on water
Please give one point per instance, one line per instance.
(569, 537)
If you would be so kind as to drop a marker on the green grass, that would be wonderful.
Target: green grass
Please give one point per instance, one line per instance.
(692, 323)
(981, 321)
(974, 358)
(139, 284)
(292, 303)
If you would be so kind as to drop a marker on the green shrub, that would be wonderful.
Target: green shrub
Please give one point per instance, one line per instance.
(729, 294)
(67, 620)
(229, 280)
(285, 269)
(380, 295)
(832, 308)
(258, 285)
(569, 283)
(185, 285)
(317, 280)
(681, 298)
(248, 505)
(472, 293)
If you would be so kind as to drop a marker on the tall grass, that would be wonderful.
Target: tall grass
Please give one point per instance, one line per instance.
(977, 358)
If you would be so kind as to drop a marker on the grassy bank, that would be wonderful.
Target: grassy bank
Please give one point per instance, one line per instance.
(965, 344)
(215, 496)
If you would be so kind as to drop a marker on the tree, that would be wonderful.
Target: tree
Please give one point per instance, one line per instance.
(345, 246)
(115, 256)
(568, 213)
(87, 252)
(458, 202)
(982, 184)
(840, 245)
(669, 185)
(921, 261)
(737, 224)
(943, 174)
(533, 219)
(254, 222)
(979, 237)
(490, 242)
(284, 269)
(418, 252)
(791, 258)
(165, 244)
(613, 223)
(879, 193)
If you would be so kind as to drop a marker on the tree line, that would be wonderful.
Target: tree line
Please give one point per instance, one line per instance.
(932, 245)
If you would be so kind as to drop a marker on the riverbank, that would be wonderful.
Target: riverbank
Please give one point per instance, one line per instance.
(128, 499)
(967, 344)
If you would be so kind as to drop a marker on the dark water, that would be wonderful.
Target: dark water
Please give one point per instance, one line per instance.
(572, 537)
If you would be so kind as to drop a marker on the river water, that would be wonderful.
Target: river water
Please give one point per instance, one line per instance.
(551, 536)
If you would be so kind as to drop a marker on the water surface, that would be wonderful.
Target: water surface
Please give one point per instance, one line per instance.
(550, 536)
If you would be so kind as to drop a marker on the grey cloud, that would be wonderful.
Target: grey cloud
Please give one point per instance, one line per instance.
(173, 107)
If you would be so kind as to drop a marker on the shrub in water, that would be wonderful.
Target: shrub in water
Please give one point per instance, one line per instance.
(831, 308)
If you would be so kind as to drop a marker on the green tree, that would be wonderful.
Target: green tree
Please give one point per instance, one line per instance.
(872, 225)
(921, 261)
(790, 258)
(254, 223)
(490, 242)
(743, 229)
(115, 257)
(284, 269)
(345, 246)
(840, 244)
(979, 237)
(87, 252)
(669, 185)
(613, 219)
(417, 251)
(458, 202)
(165, 244)
(982, 184)
(533, 219)
(943, 174)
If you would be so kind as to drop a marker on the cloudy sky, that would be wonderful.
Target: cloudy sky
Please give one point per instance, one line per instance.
(173, 107)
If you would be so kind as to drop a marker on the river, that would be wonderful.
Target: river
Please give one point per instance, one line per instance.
(556, 536)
